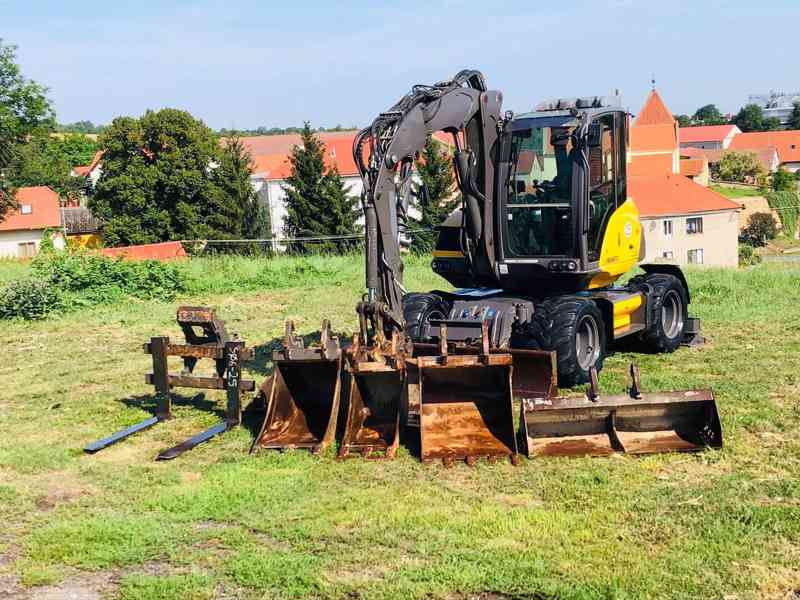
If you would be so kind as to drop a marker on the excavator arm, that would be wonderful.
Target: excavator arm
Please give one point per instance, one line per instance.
(462, 107)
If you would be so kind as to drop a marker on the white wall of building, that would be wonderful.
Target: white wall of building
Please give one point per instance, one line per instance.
(10, 241)
(718, 243)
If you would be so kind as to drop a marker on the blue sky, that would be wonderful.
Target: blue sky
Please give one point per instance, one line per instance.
(247, 63)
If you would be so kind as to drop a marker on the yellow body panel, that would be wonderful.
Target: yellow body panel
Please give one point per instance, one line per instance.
(621, 245)
(623, 311)
(448, 254)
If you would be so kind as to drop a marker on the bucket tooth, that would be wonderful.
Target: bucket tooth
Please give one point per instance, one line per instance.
(465, 404)
(377, 381)
(637, 423)
(303, 395)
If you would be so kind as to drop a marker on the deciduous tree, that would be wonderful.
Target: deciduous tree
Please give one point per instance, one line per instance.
(165, 177)
(24, 110)
(708, 115)
(794, 118)
(738, 166)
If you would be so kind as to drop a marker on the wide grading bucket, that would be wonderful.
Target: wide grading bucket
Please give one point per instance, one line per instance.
(303, 395)
(376, 385)
(636, 423)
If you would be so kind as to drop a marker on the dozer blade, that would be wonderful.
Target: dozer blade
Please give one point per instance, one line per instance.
(377, 381)
(636, 423)
(303, 395)
(465, 404)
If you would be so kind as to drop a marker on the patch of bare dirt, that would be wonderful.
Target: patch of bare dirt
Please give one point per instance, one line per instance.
(60, 491)
(89, 586)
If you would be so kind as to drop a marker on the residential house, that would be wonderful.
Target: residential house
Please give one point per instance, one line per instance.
(710, 137)
(683, 221)
(272, 167)
(22, 231)
(786, 143)
(92, 171)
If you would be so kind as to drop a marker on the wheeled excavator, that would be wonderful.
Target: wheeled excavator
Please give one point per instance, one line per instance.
(544, 231)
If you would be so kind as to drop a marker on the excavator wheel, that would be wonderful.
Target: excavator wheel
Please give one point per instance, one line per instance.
(418, 310)
(669, 312)
(574, 329)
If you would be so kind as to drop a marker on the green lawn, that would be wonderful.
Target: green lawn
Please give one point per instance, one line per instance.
(219, 523)
(736, 192)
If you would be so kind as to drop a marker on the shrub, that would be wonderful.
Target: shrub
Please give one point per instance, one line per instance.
(783, 181)
(29, 299)
(761, 228)
(748, 255)
(100, 276)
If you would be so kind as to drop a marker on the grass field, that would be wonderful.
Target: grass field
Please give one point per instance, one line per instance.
(218, 523)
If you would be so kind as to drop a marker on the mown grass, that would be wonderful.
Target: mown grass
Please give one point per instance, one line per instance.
(221, 523)
(736, 192)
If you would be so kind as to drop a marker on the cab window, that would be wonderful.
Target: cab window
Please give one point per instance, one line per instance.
(603, 182)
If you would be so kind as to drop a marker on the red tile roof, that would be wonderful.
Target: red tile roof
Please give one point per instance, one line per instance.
(786, 142)
(691, 152)
(650, 164)
(269, 152)
(654, 112)
(692, 167)
(45, 210)
(162, 251)
(705, 133)
(674, 195)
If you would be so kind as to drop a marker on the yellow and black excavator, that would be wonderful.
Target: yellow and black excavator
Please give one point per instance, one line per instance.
(544, 231)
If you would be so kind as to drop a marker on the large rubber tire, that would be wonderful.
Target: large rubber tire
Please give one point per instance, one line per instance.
(418, 310)
(668, 311)
(574, 328)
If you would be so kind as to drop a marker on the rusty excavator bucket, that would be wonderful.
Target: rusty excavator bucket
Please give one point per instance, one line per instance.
(635, 423)
(377, 381)
(463, 403)
(303, 394)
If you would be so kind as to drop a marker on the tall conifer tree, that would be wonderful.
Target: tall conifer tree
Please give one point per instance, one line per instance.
(318, 203)
(435, 169)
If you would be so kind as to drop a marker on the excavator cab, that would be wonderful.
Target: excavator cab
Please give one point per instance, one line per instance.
(561, 200)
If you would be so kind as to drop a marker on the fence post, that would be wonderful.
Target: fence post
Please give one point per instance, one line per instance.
(158, 349)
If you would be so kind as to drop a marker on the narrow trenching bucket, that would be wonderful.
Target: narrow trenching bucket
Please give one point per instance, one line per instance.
(372, 428)
(636, 423)
(465, 404)
(303, 395)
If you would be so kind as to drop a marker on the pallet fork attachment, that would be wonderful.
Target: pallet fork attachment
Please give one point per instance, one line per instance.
(303, 394)
(213, 343)
(635, 423)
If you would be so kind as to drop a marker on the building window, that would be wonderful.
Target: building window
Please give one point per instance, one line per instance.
(695, 257)
(25, 209)
(26, 249)
(694, 225)
(668, 227)
(667, 254)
